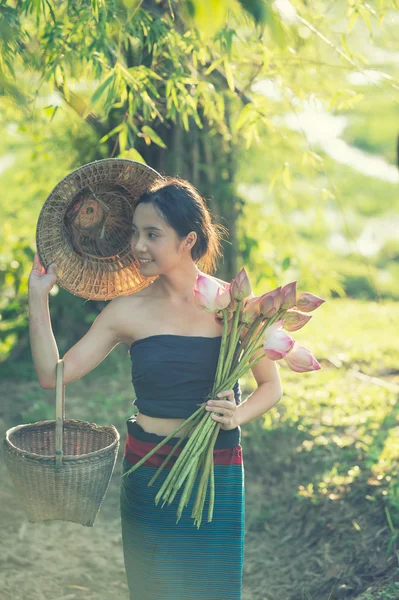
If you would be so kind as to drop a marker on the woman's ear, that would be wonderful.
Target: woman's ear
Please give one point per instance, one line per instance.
(191, 238)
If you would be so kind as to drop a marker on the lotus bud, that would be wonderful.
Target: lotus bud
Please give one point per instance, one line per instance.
(270, 302)
(223, 297)
(277, 343)
(241, 286)
(301, 360)
(232, 307)
(295, 319)
(288, 294)
(250, 311)
(308, 302)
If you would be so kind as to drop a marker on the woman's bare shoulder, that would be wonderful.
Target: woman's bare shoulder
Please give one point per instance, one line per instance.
(126, 313)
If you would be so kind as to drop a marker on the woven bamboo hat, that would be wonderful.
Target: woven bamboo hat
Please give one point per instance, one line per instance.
(85, 226)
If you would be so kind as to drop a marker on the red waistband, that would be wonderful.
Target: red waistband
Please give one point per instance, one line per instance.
(135, 450)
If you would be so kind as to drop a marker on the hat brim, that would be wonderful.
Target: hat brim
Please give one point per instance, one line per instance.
(87, 275)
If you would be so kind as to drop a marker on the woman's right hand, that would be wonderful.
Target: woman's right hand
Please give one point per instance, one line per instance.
(41, 280)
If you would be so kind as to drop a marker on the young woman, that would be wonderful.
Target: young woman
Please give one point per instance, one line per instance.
(174, 348)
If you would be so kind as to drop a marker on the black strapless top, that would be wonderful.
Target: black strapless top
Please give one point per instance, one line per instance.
(172, 374)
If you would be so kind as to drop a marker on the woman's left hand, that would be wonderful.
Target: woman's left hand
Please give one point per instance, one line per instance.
(224, 411)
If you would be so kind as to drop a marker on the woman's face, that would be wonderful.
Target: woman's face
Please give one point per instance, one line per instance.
(154, 239)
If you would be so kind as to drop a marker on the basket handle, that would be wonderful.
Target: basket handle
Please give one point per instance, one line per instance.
(59, 413)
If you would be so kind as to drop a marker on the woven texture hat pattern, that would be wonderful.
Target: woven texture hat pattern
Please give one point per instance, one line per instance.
(85, 226)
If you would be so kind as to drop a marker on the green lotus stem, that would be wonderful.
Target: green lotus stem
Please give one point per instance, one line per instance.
(203, 486)
(137, 465)
(200, 489)
(175, 471)
(171, 453)
(243, 365)
(203, 441)
(160, 469)
(220, 365)
(212, 481)
(190, 484)
(197, 512)
(186, 469)
(232, 340)
(211, 494)
(239, 373)
(239, 347)
(185, 497)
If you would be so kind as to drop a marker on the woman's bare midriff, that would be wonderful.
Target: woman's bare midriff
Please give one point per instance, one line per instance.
(160, 426)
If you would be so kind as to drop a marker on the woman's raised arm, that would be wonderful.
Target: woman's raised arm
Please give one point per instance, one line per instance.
(85, 355)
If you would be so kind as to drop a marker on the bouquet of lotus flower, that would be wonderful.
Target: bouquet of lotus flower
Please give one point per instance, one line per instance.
(259, 322)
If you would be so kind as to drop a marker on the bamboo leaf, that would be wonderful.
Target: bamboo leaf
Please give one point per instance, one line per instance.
(132, 154)
(111, 133)
(352, 20)
(102, 87)
(243, 117)
(229, 75)
(274, 179)
(184, 118)
(213, 66)
(287, 175)
(154, 137)
(123, 137)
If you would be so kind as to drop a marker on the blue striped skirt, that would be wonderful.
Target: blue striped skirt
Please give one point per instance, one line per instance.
(165, 560)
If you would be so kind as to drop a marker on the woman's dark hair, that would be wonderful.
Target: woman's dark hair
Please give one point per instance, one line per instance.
(185, 209)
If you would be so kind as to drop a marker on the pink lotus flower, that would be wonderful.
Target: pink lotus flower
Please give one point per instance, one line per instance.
(295, 319)
(288, 294)
(308, 302)
(301, 360)
(240, 287)
(277, 343)
(270, 303)
(209, 295)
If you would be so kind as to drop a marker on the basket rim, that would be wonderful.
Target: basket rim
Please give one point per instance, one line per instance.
(15, 448)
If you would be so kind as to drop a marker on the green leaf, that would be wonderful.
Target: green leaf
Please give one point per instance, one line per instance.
(345, 45)
(154, 137)
(229, 75)
(274, 178)
(184, 118)
(213, 66)
(287, 175)
(210, 15)
(50, 111)
(244, 116)
(352, 20)
(256, 8)
(132, 154)
(286, 263)
(101, 88)
(111, 133)
(123, 137)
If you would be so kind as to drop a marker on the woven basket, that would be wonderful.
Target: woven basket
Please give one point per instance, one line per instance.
(61, 469)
